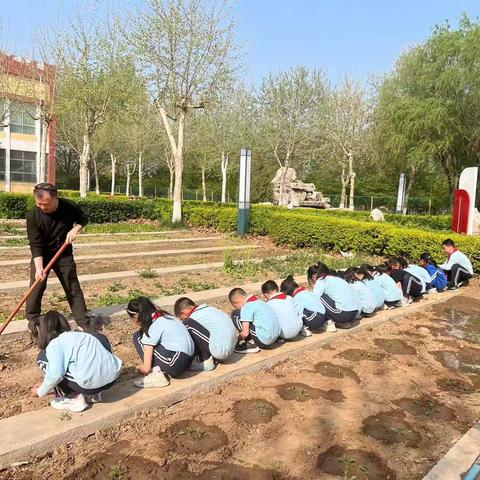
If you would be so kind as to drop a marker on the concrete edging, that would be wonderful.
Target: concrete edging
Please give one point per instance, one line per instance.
(30, 434)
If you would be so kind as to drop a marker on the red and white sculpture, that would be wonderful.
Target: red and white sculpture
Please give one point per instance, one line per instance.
(464, 211)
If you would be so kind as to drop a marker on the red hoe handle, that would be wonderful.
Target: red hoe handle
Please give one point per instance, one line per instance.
(37, 282)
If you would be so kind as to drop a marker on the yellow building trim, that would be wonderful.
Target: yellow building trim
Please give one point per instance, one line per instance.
(23, 137)
(18, 187)
(13, 85)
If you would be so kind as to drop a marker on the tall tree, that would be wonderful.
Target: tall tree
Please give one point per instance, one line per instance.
(186, 51)
(286, 105)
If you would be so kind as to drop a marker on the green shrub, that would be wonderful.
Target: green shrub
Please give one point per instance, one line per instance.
(15, 205)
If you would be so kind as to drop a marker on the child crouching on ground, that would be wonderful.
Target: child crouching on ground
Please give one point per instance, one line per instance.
(291, 324)
(365, 295)
(393, 293)
(412, 287)
(162, 343)
(256, 322)
(78, 366)
(366, 274)
(339, 298)
(213, 333)
(458, 267)
(310, 309)
(438, 278)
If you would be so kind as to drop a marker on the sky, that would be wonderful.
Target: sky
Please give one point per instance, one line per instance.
(355, 37)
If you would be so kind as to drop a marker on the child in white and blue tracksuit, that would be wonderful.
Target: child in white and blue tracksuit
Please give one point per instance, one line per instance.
(310, 309)
(365, 294)
(393, 293)
(163, 337)
(74, 363)
(339, 298)
(290, 321)
(211, 329)
(438, 278)
(254, 319)
(412, 286)
(366, 274)
(458, 266)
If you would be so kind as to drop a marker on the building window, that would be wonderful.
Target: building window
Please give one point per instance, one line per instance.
(22, 118)
(2, 163)
(23, 166)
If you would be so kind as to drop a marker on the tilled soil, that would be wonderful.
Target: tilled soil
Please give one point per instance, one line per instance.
(325, 414)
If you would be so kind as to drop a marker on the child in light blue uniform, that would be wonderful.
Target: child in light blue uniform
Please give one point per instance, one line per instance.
(308, 306)
(339, 298)
(393, 294)
(211, 329)
(162, 343)
(365, 274)
(438, 279)
(255, 320)
(290, 321)
(365, 295)
(78, 366)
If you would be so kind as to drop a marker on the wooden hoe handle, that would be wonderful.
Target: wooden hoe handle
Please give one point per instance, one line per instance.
(37, 282)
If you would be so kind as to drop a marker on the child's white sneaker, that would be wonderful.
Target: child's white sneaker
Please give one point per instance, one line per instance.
(75, 404)
(305, 332)
(329, 326)
(432, 290)
(205, 366)
(95, 398)
(155, 379)
(246, 347)
(406, 301)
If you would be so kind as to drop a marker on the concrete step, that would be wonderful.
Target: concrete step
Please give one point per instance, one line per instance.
(128, 242)
(152, 253)
(34, 433)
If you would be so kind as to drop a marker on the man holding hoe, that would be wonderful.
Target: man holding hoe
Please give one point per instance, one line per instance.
(53, 222)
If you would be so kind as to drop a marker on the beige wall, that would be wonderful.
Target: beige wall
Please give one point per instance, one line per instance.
(18, 187)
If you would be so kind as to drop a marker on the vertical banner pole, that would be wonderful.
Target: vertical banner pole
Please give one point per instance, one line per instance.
(401, 194)
(244, 191)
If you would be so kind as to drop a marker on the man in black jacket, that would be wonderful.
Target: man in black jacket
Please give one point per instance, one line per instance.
(51, 223)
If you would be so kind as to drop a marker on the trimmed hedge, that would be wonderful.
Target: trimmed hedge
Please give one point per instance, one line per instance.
(305, 230)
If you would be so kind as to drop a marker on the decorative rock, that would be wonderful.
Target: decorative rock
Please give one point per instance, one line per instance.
(377, 215)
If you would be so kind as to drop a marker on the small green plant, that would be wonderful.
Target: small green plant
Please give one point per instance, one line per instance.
(65, 416)
(8, 227)
(348, 464)
(115, 287)
(112, 298)
(299, 392)
(147, 273)
(192, 432)
(117, 473)
(183, 285)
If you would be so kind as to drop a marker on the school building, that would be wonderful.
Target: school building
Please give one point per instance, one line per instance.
(26, 90)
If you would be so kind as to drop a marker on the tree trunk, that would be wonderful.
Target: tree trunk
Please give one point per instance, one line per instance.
(351, 177)
(127, 187)
(224, 166)
(170, 188)
(140, 174)
(343, 194)
(283, 199)
(204, 185)
(43, 150)
(113, 160)
(84, 161)
(95, 172)
(178, 162)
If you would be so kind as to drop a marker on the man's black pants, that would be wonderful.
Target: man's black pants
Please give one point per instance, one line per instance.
(66, 271)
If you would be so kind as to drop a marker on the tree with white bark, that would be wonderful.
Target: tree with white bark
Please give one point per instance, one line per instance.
(343, 125)
(186, 50)
(286, 106)
(95, 76)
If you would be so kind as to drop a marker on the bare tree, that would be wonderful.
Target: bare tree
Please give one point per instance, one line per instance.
(186, 50)
(344, 126)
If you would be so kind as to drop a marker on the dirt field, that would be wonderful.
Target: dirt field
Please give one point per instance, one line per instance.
(378, 404)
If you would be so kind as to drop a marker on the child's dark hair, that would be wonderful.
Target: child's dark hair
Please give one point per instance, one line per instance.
(367, 271)
(382, 268)
(144, 307)
(288, 286)
(448, 243)
(269, 286)
(181, 304)
(50, 326)
(426, 257)
(349, 275)
(402, 261)
(393, 263)
(322, 270)
(236, 292)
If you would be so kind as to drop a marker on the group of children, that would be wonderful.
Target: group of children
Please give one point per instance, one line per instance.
(78, 366)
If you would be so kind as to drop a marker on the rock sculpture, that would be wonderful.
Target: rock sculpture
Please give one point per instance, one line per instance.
(288, 191)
